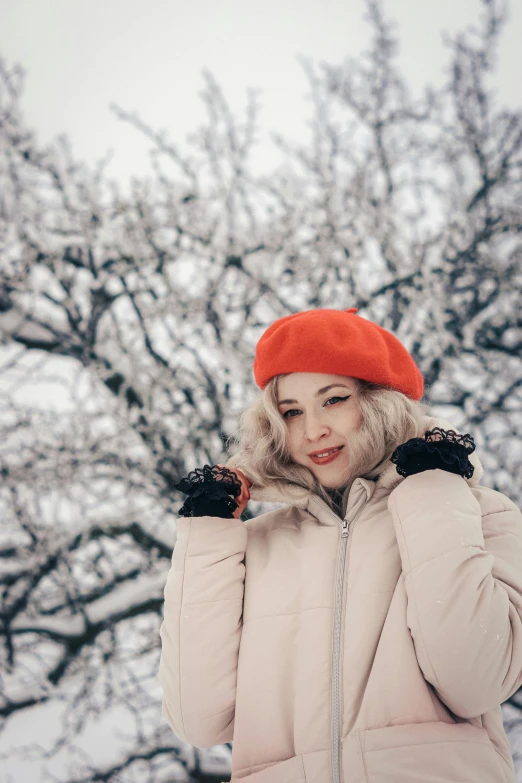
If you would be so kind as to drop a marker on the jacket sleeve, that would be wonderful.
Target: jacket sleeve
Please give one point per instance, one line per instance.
(201, 629)
(463, 578)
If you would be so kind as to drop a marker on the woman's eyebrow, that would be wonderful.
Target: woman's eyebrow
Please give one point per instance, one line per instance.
(317, 394)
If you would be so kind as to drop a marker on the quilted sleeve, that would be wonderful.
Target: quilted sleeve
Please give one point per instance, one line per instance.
(463, 578)
(201, 629)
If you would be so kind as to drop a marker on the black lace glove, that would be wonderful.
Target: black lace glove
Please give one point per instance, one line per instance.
(209, 495)
(444, 449)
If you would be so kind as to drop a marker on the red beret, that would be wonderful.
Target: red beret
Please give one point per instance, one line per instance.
(337, 342)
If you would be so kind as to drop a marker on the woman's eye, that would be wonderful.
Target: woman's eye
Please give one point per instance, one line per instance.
(286, 414)
(337, 398)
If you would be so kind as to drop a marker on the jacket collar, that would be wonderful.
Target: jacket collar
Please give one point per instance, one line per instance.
(388, 479)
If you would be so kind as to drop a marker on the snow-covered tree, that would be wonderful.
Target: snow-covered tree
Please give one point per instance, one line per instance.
(143, 311)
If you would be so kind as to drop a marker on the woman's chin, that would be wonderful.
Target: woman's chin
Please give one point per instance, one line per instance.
(331, 479)
(331, 485)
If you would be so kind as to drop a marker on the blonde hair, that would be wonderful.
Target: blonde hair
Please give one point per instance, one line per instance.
(259, 448)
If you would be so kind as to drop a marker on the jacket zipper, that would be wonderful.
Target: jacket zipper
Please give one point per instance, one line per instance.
(336, 738)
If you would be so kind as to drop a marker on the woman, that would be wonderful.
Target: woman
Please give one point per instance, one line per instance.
(368, 629)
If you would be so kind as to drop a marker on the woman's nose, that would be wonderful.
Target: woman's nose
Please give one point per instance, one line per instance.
(315, 428)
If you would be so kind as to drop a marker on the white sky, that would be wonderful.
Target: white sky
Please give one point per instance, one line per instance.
(148, 56)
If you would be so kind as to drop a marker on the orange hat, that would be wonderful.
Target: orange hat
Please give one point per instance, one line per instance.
(337, 342)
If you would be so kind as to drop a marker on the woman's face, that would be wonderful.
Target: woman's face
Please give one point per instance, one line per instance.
(321, 413)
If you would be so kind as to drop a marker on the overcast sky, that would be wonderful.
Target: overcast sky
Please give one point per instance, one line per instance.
(148, 55)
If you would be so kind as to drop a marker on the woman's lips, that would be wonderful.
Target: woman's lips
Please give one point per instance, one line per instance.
(325, 460)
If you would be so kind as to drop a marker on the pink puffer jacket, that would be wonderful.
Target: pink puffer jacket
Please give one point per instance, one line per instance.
(375, 649)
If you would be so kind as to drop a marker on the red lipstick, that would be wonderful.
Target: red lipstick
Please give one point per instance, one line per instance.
(326, 460)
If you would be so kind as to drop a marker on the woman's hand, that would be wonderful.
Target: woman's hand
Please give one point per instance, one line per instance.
(442, 449)
(244, 497)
